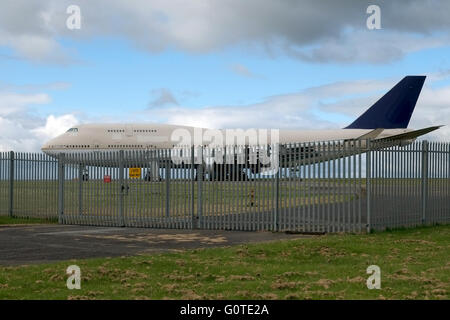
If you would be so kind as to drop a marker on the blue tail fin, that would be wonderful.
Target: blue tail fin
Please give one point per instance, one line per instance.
(394, 109)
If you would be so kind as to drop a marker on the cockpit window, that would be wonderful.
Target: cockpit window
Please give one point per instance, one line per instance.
(73, 130)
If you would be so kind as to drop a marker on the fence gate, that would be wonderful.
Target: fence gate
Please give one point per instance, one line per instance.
(28, 185)
(125, 189)
(229, 188)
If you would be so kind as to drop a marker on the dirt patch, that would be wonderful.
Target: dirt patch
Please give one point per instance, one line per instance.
(160, 238)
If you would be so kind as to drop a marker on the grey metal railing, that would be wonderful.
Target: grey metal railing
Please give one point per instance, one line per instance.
(332, 186)
(410, 185)
(28, 185)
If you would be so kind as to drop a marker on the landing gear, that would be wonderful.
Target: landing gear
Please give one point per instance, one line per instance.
(84, 174)
(222, 172)
(152, 173)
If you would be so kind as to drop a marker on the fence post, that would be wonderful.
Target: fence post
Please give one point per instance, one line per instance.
(192, 193)
(167, 154)
(61, 178)
(199, 186)
(424, 179)
(368, 184)
(80, 189)
(122, 188)
(277, 188)
(11, 184)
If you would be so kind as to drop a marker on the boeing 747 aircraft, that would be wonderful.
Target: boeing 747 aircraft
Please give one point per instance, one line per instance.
(386, 120)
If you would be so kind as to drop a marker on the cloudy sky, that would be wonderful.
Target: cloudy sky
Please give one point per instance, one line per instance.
(215, 63)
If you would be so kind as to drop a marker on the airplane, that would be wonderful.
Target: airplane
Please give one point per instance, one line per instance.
(385, 122)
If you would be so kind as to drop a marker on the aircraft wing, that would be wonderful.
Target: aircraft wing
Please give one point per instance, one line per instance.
(410, 135)
(371, 135)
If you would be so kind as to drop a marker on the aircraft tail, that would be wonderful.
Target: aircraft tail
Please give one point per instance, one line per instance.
(394, 109)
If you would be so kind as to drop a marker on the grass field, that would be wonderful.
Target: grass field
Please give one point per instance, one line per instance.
(414, 264)
(39, 198)
(11, 221)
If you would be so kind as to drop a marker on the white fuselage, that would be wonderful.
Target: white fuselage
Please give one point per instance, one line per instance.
(113, 137)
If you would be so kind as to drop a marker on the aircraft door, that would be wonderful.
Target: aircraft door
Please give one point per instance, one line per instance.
(128, 130)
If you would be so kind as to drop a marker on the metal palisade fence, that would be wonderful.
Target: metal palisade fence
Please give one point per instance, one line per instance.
(333, 186)
(28, 185)
(409, 185)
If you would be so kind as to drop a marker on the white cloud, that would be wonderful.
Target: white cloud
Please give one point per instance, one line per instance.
(30, 88)
(23, 130)
(319, 31)
(11, 103)
(54, 126)
(310, 109)
(243, 71)
(17, 136)
(162, 97)
(39, 48)
(432, 109)
(367, 46)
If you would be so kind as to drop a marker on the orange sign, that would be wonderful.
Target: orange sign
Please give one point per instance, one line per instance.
(135, 173)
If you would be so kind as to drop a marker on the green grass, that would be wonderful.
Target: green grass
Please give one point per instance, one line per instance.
(39, 198)
(414, 265)
(8, 220)
(148, 199)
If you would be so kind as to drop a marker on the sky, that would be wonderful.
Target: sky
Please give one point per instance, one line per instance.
(215, 63)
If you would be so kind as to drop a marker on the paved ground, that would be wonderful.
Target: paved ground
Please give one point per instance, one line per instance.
(47, 243)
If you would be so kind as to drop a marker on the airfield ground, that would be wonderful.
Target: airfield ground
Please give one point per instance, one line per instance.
(5, 220)
(414, 264)
(40, 243)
